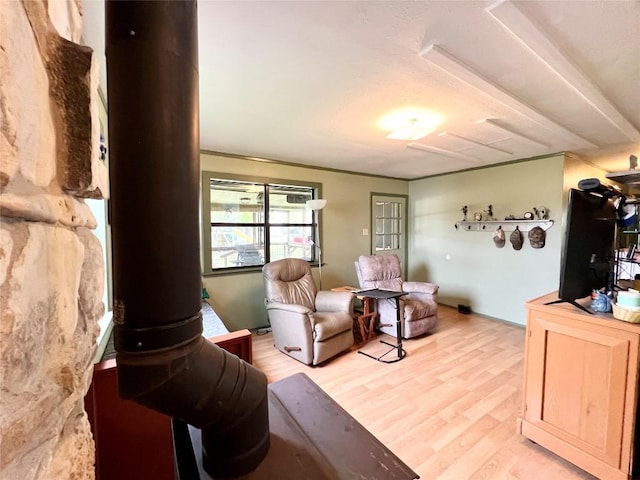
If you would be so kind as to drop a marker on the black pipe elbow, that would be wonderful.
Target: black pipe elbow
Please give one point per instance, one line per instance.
(211, 389)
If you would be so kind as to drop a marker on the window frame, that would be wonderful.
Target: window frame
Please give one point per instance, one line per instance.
(206, 224)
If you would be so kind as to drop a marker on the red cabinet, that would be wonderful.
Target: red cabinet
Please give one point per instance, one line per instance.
(132, 441)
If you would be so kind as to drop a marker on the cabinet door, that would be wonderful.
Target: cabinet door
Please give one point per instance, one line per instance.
(579, 387)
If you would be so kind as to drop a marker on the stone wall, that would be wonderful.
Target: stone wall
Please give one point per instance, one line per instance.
(51, 267)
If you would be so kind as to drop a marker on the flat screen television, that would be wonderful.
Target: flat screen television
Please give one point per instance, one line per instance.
(587, 251)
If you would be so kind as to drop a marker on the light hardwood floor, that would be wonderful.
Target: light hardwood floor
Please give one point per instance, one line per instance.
(448, 410)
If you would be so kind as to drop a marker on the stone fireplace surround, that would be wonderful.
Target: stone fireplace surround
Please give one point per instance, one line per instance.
(51, 268)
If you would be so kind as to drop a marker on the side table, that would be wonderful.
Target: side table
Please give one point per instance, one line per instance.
(365, 321)
(378, 294)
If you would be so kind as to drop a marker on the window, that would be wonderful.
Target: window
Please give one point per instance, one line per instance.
(248, 222)
(388, 224)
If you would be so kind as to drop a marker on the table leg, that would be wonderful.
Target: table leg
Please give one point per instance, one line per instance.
(369, 313)
(398, 330)
(365, 322)
(363, 335)
(397, 347)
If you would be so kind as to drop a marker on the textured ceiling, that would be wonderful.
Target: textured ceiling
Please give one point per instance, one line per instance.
(308, 82)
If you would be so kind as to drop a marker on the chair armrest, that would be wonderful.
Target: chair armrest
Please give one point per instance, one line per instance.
(327, 301)
(289, 307)
(420, 287)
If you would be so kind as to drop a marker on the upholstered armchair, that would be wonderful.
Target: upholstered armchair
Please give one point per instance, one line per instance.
(418, 308)
(307, 325)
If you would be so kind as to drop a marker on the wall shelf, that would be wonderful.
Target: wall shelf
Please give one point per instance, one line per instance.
(507, 225)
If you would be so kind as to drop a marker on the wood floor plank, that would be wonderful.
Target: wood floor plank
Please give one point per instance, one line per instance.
(457, 447)
(448, 409)
(496, 466)
(490, 402)
(474, 458)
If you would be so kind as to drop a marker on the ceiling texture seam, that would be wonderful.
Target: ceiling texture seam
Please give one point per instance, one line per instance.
(458, 69)
(442, 151)
(488, 122)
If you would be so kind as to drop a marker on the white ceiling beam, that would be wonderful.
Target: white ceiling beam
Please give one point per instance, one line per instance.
(442, 151)
(474, 142)
(455, 67)
(491, 123)
(541, 44)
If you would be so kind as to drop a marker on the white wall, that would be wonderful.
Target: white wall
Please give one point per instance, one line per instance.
(467, 265)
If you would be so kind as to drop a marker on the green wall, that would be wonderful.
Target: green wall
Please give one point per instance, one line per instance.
(467, 265)
(239, 298)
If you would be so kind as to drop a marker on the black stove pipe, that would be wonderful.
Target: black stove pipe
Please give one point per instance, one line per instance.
(163, 360)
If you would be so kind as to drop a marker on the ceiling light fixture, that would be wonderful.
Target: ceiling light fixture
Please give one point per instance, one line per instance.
(410, 123)
(411, 131)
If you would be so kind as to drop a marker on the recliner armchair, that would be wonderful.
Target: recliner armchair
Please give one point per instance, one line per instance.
(307, 325)
(418, 308)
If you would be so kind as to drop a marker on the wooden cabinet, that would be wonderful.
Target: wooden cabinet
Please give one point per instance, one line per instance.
(581, 387)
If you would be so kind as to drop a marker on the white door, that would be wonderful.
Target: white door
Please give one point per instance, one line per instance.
(389, 226)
